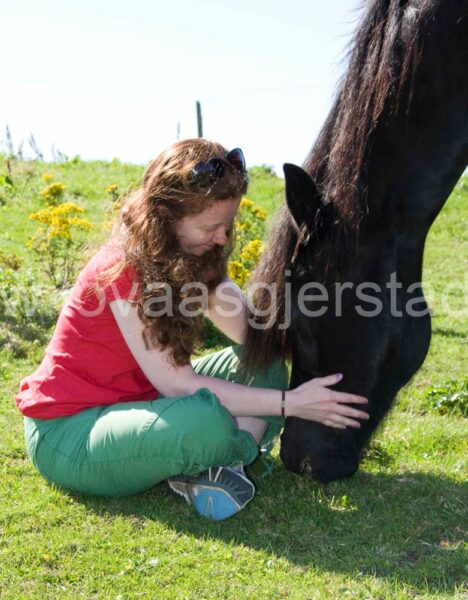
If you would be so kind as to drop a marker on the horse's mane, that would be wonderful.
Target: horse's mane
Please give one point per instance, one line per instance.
(382, 58)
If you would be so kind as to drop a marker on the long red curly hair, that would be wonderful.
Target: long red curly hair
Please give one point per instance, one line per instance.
(144, 231)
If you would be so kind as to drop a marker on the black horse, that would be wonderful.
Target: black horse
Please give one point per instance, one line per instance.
(391, 151)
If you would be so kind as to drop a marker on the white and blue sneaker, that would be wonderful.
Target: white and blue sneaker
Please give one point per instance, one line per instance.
(217, 493)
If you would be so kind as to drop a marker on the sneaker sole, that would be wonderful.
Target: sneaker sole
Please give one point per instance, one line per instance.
(215, 504)
(213, 501)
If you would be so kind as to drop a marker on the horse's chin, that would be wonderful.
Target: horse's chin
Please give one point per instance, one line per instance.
(323, 468)
(298, 462)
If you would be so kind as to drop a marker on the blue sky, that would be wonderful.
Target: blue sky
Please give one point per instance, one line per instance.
(106, 79)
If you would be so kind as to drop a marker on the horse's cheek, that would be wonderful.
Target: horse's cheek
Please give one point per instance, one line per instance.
(304, 354)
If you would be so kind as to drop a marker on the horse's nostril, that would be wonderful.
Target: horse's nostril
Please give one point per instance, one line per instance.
(296, 459)
(306, 465)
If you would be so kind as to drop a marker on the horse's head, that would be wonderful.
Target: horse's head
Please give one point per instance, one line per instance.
(325, 333)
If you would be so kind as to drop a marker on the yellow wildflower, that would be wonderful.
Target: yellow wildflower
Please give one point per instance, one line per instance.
(259, 213)
(237, 272)
(251, 251)
(53, 192)
(47, 177)
(55, 243)
(60, 218)
(112, 188)
(246, 203)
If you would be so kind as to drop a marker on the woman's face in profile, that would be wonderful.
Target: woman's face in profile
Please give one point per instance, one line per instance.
(200, 233)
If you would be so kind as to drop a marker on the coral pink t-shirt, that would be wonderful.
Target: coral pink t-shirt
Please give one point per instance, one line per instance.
(87, 362)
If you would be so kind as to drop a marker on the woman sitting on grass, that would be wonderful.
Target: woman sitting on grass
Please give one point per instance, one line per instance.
(116, 406)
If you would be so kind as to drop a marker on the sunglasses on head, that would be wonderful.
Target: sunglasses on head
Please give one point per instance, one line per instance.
(205, 174)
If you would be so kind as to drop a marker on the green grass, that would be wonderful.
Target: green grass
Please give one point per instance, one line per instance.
(395, 530)
(266, 189)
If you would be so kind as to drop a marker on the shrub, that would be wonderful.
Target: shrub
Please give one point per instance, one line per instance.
(11, 261)
(55, 242)
(111, 212)
(249, 229)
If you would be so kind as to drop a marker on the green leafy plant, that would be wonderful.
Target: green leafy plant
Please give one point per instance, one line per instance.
(11, 261)
(449, 398)
(7, 188)
(27, 311)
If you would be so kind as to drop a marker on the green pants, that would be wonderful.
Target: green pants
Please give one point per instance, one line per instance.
(128, 448)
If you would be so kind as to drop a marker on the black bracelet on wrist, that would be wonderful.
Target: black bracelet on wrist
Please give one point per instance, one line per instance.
(283, 402)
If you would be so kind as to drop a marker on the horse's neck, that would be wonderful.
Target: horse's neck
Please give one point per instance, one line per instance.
(416, 166)
(420, 153)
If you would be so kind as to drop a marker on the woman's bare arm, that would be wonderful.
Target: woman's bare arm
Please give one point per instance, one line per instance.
(312, 400)
(227, 309)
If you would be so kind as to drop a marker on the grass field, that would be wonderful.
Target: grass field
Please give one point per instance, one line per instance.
(395, 530)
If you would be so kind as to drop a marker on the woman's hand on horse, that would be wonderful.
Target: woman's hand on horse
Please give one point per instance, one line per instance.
(315, 402)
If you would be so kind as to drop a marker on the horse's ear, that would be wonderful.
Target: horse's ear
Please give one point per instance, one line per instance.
(302, 196)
